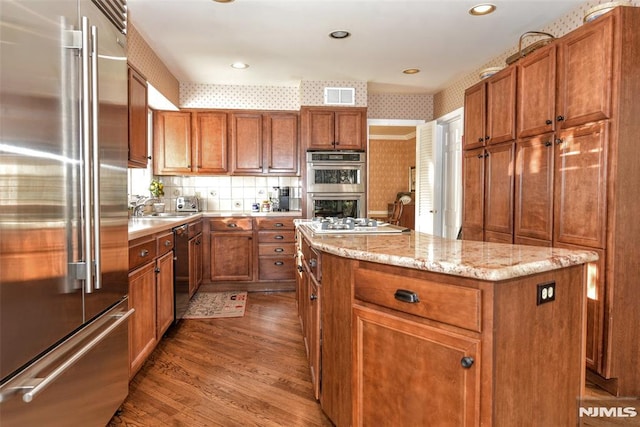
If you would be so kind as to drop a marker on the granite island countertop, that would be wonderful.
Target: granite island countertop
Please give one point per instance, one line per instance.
(465, 258)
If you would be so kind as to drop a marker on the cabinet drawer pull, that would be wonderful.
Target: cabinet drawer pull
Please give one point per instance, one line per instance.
(157, 270)
(278, 263)
(144, 253)
(467, 362)
(278, 224)
(548, 144)
(560, 118)
(406, 296)
(559, 141)
(300, 268)
(278, 250)
(167, 243)
(313, 263)
(278, 237)
(232, 225)
(548, 122)
(313, 297)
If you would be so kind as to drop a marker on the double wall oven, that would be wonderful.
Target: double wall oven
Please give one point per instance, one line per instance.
(336, 182)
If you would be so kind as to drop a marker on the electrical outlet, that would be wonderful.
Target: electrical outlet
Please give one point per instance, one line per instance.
(546, 292)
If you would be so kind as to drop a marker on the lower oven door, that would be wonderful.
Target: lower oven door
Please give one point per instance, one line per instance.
(336, 177)
(339, 205)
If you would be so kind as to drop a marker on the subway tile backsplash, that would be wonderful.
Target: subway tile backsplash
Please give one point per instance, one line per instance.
(217, 193)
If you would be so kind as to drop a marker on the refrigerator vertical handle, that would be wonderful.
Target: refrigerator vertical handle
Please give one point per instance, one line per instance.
(96, 158)
(86, 155)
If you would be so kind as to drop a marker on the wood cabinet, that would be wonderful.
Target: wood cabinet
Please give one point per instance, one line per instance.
(276, 249)
(533, 220)
(325, 128)
(490, 106)
(151, 294)
(246, 143)
(487, 212)
(187, 142)
(536, 92)
(138, 141)
(455, 355)
(594, 173)
(231, 249)
(580, 206)
(195, 256)
(281, 145)
(172, 149)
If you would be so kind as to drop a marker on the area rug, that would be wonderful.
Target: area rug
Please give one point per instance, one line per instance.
(209, 305)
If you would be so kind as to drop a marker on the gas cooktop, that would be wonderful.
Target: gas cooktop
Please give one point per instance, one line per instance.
(353, 226)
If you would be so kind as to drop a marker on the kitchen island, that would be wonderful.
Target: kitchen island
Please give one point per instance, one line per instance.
(415, 329)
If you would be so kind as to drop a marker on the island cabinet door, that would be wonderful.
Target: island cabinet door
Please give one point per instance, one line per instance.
(410, 374)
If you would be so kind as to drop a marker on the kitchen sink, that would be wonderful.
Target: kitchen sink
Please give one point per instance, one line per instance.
(166, 215)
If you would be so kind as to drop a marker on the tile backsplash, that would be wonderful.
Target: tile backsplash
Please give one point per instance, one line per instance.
(217, 193)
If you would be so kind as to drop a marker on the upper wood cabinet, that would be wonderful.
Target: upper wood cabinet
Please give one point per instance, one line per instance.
(210, 134)
(138, 152)
(264, 143)
(536, 93)
(585, 69)
(490, 110)
(325, 128)
(188, 142)
(172, 143)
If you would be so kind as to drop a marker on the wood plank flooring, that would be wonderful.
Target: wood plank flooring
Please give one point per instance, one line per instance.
(247, 371)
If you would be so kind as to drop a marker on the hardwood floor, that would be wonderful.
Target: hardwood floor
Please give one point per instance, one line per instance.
(247, 371)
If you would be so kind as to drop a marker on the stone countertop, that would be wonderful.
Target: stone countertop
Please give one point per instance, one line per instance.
(140, 227)
(465, 258)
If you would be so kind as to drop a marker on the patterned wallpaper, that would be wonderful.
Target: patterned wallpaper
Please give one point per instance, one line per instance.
(452, 97)
(145, 60)
(196, 95)
(400, 106)
(391, 160)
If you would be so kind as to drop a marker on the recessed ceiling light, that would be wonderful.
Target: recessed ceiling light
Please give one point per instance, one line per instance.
(339, 34)
(482, 9)
(239, 65)
(411, 71)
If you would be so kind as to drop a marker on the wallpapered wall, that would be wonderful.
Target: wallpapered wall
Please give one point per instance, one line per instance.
(452, 97)
(391, 160)
(144, 59)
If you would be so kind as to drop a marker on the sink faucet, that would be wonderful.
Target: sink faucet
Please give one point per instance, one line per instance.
(140, 203)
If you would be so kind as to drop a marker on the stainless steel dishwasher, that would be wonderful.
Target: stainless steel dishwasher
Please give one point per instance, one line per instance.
(181, 271)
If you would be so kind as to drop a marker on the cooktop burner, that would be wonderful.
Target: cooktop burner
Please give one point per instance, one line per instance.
(353, 225)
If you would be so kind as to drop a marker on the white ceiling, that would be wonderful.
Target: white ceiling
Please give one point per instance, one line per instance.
(286, 41)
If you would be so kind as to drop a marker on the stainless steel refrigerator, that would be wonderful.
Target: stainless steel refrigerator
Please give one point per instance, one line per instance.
(63, 213)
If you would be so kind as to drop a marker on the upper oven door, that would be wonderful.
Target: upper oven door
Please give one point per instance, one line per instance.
(336, 177)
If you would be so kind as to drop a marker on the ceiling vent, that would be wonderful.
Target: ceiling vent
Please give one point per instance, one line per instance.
(339, 96)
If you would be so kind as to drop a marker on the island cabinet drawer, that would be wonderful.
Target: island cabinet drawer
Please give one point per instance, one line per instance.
(276, 236)
(275, 223)
(450, 304)
(231, 224)
(165, 243)
(142, 252)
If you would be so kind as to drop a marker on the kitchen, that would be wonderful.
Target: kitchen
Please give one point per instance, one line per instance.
(235, 194)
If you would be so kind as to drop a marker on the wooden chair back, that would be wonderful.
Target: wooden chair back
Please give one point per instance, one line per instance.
(394, 219)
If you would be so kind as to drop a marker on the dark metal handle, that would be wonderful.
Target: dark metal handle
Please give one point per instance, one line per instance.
(547, 144)
(486, 154)
(278, 224)
(548, 122)
(278, 263)
(480, 156)
(198, 242)
(480, 139)
(560, 118)
(486, 138)
(406, 296)
(313, 297)
(167, 243)
(467, 362)
(278, 250)
(559, 141)
(279, 237)
(300, 268)
(144, 253)
(313, 262)
(232, 225)
(157, 270)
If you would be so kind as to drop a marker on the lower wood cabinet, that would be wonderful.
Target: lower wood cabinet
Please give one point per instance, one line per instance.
(151, 294)
(231, 249)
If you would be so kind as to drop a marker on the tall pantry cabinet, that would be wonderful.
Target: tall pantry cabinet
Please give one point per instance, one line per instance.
(577, 177)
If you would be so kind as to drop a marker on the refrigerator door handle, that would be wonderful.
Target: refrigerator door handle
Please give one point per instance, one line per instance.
(86, 155)
(43, 383)
(96, 158)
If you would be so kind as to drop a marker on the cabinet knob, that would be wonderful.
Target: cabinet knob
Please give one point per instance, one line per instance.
(148, 157)
(548, 122)
(560, 118)
(480, 156)
(466, 362)
(559, 141)
(313, 297)
(486, 138)
(481, 139)
(157, 270)
(486, 154)
(406, 296)
(144, 253)
(313, 262)
(300, 268)
(167, 243)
